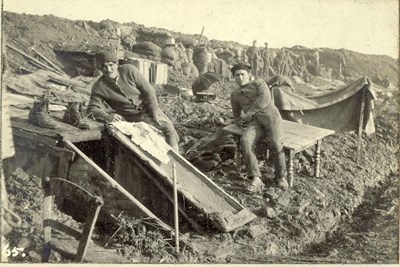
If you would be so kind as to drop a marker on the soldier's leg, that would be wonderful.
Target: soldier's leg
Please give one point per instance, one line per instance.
(247, 142)
(166, 126)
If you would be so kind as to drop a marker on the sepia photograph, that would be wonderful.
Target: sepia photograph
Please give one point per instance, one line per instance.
(213, 132)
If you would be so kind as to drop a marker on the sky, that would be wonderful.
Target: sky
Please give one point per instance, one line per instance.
(366, 26)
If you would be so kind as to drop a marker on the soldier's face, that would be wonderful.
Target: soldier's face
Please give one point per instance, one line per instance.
(242, 77)
(110, 70)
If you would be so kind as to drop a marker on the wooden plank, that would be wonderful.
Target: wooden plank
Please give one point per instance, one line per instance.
(290, 139)
(81, 136)
(49, 62)
(36, 62)
(195, 225)
(65, 131)
(36, 137)
(305, 130)
(207, 196)
(91, 219)
(297, 143)
(228, 222)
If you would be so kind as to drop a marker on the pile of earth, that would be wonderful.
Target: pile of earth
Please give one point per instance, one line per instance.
(46, 33)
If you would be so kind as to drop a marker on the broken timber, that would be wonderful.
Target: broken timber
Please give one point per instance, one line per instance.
(31, 59)
(49, 62)
(224, 211)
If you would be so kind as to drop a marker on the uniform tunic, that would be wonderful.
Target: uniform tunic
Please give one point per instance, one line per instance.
(255, 98)
(132, 97)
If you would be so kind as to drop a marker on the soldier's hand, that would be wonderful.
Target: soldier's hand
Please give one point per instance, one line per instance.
(117, 117)
(247, 118)
(156, 120)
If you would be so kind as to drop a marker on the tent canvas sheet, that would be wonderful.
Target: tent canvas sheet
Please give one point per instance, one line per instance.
(338, 110)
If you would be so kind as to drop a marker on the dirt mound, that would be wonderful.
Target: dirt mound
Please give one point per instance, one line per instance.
(48, 32)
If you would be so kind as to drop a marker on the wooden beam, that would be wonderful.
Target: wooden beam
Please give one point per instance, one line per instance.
(176, 214)
(91, 219)
(381, 107)
(49, 62)
(201, 35)
(30, 58)
(360, 126)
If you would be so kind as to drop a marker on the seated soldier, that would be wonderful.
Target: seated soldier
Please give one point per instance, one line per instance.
(127, 92)
(261, 119)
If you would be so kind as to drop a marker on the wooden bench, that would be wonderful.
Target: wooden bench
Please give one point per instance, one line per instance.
(296, 138)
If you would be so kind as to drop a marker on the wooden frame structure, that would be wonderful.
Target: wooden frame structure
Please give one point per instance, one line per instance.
(94, 205)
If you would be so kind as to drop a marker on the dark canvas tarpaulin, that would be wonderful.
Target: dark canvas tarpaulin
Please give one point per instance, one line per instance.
(338, 110)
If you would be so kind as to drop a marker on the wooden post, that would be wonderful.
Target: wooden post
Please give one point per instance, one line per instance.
(317, 160)
(290, 168)
(176, 218)
(201, 34)
(360, 126)
(91, 219)
(3, 203)
(47, 202)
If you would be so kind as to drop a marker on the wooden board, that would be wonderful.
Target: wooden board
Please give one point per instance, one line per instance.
(296, 136)
(196, 187)
(22, 127)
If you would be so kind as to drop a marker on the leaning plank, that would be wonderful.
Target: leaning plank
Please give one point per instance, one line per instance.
(195, 225)
(49, 62)
(116, 185)
(31, 58)
(196, 187)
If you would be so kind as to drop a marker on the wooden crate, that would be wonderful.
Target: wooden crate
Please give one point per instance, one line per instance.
(159, 73)
(154, 72)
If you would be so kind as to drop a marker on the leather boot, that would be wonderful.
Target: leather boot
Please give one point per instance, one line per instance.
(74, 116)
(40, 115)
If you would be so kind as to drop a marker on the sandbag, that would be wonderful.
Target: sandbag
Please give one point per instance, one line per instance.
(194, 72)
(200, 54)
(168, 61)
(147, 52)
(147, 46)
(186, 69)
(170, 53)
(200, 59)
(150, 57)
(226, 55)
(186, 41)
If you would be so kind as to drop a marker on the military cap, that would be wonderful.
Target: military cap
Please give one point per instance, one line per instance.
(105, 56)
(240, 66)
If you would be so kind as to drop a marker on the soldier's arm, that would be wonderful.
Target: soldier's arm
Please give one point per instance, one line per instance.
(263, 98)
(236, 110)
(96, 106)
(149, 95)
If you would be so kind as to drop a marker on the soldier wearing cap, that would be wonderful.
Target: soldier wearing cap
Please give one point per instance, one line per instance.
(128, 93)
(253, 55)
(260, 119)
(266, 60)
